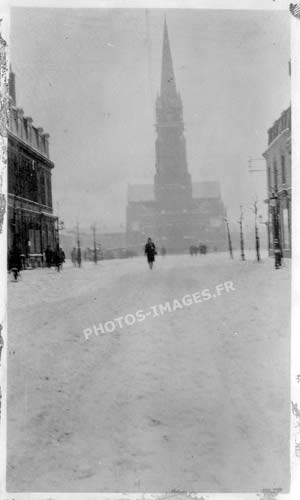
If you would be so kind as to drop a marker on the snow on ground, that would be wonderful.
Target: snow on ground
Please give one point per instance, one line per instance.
(196, 399)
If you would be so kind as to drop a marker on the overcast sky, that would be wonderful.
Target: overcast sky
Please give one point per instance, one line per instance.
(90, 78)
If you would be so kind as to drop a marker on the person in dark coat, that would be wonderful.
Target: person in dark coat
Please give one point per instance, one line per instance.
(63, 255)
(58, 258)
(150, 251)
(15, 261)
(48, 255)
(78, 257)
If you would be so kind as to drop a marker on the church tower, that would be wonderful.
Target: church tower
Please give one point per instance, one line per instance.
(172, 182)
(177, 213)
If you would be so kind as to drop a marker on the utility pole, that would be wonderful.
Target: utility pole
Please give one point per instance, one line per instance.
(78, 245)
(241, 234)
(95, 244)
(257, 246)
(228, 235)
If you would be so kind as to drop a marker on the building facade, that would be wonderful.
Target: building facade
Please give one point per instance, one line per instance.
(174, 211)
(279, 183)
(31, 223)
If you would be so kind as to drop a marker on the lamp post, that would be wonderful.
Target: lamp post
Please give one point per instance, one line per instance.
(274, 205)
(78, 245)
(241, 233)
(273, 201)
(95, 244)
(251, 170)
(228, 235)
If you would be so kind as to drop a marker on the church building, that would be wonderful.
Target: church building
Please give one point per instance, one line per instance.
(175, 212)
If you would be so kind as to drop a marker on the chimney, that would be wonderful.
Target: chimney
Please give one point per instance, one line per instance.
(12, 86)
(29, 121)
(20, 117)
(46, 143)
(40, 131)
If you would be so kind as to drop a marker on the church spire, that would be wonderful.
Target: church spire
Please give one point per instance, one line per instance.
(168, 86)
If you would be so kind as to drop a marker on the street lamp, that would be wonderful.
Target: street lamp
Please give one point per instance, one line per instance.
(241, 234)
(274, 205)
(94, 242)
(60, 226)
(273, 202)
(256, 233)
(78, 244)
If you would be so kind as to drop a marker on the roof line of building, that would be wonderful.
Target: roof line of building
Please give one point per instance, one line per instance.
(31, 148)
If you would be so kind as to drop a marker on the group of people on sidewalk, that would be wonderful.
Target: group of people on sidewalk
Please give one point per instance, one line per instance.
(16, 262)
(55, 257)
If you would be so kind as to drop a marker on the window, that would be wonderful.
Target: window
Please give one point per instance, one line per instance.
(269, 179)
(283, 176)
(42, 188)
(275, 175)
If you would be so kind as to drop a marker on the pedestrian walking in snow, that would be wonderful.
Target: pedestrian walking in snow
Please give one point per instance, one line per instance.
(73, 256)
(78, 257)
(59, 258)
(62, 256)
(15, 262)
(150, 252)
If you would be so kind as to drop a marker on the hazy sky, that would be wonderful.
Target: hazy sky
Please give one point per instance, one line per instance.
(90, 78)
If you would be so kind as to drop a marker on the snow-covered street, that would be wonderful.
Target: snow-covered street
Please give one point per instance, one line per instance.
(196, 399)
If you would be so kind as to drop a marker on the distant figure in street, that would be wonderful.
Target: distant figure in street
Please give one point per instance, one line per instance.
(78, 257)
(73, 256)
(59, 258)
(15, 262)
(62, 256)
(203, 249)
(277, 254)
(48, 255)
(193, 250)
(163, 251)
(150, 251)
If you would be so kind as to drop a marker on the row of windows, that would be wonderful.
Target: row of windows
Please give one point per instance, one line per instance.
(28, 180)
(277, 173)
(281, 124)
(28, 133)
